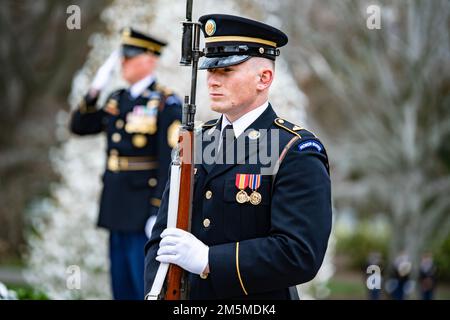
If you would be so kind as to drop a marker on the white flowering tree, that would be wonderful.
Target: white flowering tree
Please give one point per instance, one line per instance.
(64, 239)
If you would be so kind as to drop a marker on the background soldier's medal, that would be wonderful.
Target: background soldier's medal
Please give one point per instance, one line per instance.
(254, 183)
(153, 103)
(139, 140)
(142, 120)
(242, 183)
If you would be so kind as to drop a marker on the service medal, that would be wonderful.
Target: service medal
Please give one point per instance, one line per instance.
(255, 198)
(242, 197)
(242, 183)
(142, 120)
(254, 183)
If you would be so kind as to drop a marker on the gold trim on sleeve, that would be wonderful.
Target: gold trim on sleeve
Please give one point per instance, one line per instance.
(237, 269)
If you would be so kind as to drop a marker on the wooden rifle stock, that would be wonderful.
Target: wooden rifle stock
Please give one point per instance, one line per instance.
(176, 286)
(175, 274)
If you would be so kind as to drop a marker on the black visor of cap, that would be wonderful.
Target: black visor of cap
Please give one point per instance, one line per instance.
(222, 62)
(230, 40)
(132, 51)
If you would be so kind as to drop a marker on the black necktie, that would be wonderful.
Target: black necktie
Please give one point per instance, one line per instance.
(227, 140)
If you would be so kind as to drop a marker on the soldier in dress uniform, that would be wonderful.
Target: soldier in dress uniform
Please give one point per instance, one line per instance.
(141, 126)
(255, 233)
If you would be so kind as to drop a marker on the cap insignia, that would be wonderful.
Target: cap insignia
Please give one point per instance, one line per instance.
(210, 27)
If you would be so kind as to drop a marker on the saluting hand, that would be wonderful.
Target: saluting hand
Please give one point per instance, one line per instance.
(103, 74)
(183, 249)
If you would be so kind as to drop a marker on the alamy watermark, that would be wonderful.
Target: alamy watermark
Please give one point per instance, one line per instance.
(73, 279)
(373, 21)
(260, 147)
(374, 279)
(73, 21)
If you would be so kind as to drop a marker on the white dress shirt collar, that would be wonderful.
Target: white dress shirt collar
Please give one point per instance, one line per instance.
(138, 88)
(245, 121)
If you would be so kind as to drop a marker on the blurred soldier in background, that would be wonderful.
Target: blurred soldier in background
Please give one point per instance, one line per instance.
(141, 126)
(400, 285)
(427, 277)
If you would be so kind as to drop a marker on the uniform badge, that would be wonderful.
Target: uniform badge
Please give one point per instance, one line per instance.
(126, 32)
(310, 144)
(142, 120)
(139, 140)
(112, 107)
(242, 183)
(254, 183)
(210, 27)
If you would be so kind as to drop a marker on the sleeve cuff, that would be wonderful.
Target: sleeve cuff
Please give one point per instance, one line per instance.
(88, 104)
(238, 271)
(225, 274)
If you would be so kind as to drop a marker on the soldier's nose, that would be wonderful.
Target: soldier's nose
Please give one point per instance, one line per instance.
(212, 81)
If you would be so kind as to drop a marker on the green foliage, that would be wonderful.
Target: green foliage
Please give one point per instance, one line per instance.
(347, 289)
(358, 245)
(28, 293)
(442, 258)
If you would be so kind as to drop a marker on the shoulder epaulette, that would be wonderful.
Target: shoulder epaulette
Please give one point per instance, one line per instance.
(290, 127)
(112, 104)
(163, 96)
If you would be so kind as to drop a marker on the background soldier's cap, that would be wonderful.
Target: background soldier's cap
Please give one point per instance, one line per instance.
(135, 43)
(230, 40)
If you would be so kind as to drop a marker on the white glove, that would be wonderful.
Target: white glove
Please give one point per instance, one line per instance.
(104, 72)
(149, 226)
(183, 249)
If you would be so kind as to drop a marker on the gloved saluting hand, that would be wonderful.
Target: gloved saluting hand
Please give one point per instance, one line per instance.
(104, 72)
(183, 249)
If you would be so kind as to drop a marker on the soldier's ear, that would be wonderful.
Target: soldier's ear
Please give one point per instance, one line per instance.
(265, 79)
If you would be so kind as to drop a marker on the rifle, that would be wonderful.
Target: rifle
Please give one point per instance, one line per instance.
(182, 170)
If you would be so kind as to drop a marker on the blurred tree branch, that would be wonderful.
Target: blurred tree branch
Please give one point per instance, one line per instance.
(381, 97)
(39, 56)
